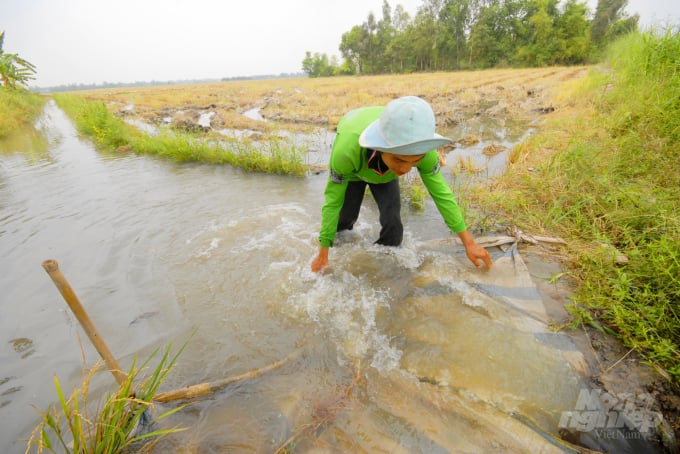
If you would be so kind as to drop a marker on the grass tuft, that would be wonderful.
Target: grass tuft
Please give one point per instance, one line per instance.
(71, 426)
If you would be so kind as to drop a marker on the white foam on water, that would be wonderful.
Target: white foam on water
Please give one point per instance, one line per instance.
(206, 252)
(344, 308)
(406, 255)
(250, 230)
(212, 226)
(346, 300)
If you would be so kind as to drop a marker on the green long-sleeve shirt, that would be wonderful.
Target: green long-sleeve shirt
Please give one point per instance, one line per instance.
(349, 163)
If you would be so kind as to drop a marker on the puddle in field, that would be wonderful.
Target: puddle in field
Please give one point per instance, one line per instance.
(254, 114)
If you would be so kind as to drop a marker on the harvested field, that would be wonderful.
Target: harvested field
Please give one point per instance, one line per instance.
(300, 105)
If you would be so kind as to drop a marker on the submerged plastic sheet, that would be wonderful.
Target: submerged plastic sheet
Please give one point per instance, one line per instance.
(484, 334)
(515, 300)
(461, 356)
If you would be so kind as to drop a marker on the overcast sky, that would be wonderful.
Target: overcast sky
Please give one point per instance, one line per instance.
(95, 41)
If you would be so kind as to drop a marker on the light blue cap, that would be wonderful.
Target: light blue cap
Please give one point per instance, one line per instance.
(405, 127)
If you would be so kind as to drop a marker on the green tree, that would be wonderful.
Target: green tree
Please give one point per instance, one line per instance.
(370, 44)
(458, 17)
(318, 65)
(611, 21)
(541, 43)
(421, 42)
(429, 34)
(13, 69)
(368, 48)
(574, 29)
(385, 33)
(495, 34)
(457, 34)
(400, 19)
(352, 48)
(401, 48)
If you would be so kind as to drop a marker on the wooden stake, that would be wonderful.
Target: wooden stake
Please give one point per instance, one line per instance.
(52, 268)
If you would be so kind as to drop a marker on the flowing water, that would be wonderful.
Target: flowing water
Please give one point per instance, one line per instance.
(404, 349)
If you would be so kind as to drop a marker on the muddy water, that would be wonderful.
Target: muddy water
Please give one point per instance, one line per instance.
(394, 350)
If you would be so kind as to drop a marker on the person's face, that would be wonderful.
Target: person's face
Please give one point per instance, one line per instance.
(400, 164)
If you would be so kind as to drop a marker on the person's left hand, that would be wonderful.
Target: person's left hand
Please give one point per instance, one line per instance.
(476, 253)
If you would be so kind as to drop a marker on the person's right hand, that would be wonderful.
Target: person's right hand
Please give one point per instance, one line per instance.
(321, 260)
(476, 253)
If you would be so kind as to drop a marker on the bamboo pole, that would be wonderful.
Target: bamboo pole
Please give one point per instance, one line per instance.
(189, 392)
(52, 268)
(203, 389)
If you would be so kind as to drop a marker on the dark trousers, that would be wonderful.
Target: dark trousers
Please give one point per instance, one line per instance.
(387, 197)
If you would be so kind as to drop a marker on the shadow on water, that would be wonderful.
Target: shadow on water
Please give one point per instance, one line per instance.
(404, 350)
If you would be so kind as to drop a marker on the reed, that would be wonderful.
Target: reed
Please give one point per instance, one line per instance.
(415, 194)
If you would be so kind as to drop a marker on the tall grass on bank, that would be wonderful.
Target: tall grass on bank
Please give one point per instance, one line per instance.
(608, 181)
(95, 120)
(18, 108)
(73, 426)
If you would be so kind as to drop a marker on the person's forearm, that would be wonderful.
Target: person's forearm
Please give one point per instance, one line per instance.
(323, 252)
(466, 238)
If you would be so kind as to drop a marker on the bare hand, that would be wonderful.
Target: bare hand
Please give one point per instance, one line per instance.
(476, 253)
(321, 260)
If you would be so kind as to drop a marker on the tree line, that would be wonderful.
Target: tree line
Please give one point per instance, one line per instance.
(449, 35)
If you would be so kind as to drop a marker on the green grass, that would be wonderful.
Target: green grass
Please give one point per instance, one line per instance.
(19, 108)
(608, 182)
(413, 192)
(72, 427)
(110, 132)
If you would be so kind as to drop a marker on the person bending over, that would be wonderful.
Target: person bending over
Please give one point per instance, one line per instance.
(374, 146)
